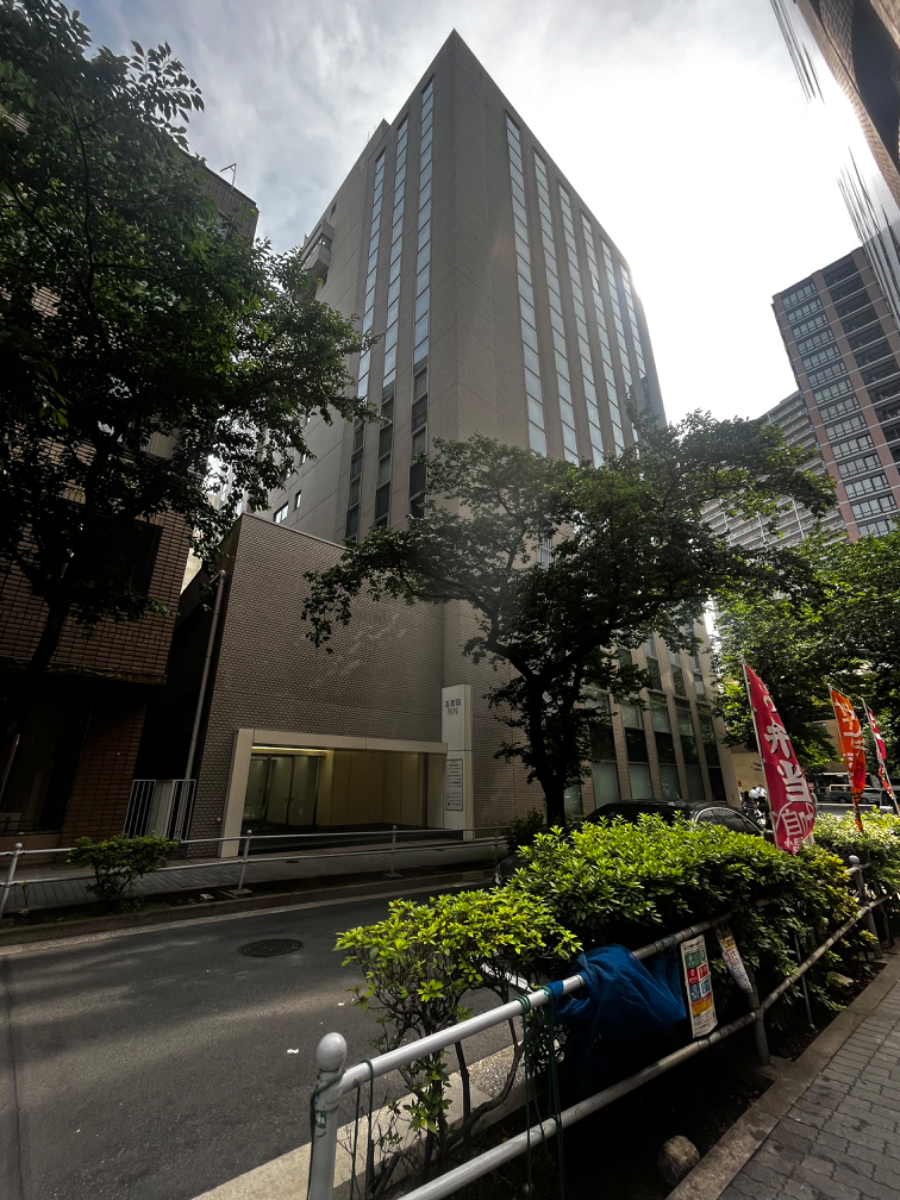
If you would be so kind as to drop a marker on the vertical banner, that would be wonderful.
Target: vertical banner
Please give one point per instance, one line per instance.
(881, 755)
(850, 744)
(699, 986)
(790, 801)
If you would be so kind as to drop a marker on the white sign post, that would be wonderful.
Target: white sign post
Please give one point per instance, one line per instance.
(456, 731)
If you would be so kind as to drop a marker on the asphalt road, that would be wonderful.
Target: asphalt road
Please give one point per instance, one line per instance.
(156, 1066)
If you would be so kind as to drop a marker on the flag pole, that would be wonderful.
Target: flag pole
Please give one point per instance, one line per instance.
(854, 798)
(762, 758)
(883, 772)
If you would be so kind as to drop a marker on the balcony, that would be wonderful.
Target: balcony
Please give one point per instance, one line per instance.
(317, 251)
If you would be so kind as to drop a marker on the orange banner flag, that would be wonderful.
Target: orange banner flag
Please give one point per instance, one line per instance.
(850, 743)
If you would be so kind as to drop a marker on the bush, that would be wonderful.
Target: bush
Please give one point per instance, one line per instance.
(118, 862)
(631, 883)
(420, 963)
(523, 830)
(877, 847)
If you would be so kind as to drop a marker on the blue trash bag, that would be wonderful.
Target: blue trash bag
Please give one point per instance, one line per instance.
(622, 1000)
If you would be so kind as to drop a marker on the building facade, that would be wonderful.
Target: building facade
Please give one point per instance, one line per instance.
(507, 310)
(847, 57)
(844, 349)
(72, 773)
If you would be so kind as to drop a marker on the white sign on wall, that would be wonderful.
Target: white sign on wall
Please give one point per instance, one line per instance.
(454, 793)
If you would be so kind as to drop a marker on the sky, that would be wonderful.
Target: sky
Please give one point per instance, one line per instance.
(680, 122)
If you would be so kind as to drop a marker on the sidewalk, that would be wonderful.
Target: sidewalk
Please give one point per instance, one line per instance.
(54, 887)
(829, 1129)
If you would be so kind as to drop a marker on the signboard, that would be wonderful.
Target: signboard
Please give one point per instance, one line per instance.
(454, 795)
(732, 957)
(699, 986)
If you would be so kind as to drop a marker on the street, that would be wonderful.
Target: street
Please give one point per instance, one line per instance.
(156, 1066)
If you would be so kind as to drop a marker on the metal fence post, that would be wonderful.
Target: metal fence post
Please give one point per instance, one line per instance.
(331, 1055)
(392, 874)
(863, 901)
(246, 855)
(759, 1026)
(10, 874)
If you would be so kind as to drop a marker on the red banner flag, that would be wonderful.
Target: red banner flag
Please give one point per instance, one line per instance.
(881, 755)
(850, 742)
(790, 801)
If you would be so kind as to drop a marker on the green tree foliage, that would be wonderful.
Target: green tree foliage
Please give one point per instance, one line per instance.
(147, 346)
(419, 966)
(118, 862)
(630, 883)
(840, 630)
(631, 553)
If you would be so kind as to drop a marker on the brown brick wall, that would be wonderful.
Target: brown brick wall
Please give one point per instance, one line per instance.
(138, 649)
(103, 782)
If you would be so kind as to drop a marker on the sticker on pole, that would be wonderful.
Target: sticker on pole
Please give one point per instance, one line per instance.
(699, 986)
(732, 957)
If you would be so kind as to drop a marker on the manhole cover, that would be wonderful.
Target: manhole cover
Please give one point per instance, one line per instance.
(271, 948)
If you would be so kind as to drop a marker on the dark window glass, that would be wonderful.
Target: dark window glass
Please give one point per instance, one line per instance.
(416, 479)
(352, 523)
(356, 465)
(385, 438)
(636, 741)
(653, 672)
(419, 413)
(603, 748)
(382, 501)
(665, 747)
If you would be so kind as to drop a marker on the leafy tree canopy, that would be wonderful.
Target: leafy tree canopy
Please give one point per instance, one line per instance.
(148, 347)
(631, 554)
(841, 630)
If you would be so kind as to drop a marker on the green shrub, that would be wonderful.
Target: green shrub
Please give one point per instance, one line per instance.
(878, 846)
(117, 862)
(523, 830)
(420, 963)
(631, 883)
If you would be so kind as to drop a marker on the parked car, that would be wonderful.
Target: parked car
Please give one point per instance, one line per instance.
(837, 800)
(630, 810)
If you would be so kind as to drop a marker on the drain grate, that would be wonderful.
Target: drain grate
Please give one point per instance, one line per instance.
(271, 948)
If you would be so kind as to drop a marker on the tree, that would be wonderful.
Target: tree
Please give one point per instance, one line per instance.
(631, 553)
(840, 630)
(148, 348)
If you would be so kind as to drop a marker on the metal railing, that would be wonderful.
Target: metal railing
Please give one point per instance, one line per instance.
(486, 837)
(333, 1082)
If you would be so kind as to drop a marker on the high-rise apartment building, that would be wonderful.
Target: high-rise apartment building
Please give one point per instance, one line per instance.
(847, 57)
(793, 521)
(505, 309)
(844, 350)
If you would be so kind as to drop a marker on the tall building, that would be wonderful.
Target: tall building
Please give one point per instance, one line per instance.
(506, 307)
(844, 350)
(507, 310)
(847, 57)
(793, 521)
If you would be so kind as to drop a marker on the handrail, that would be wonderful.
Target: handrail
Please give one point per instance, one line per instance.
(339, 1082)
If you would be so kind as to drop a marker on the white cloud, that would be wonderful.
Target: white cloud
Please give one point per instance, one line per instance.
(680, 122)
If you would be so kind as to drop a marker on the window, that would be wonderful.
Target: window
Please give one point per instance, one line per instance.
(801, 292)
(852, 445)
(419, 429)
(423, 227)
(356, 466)
(869, 508)
(878, 528)
(389, 371)
(686, 732)
(858, 466)
(297, 496)
(385, 459)
(608, 382)
(589, 382)
(862, 486)
(838, 408)
(662, 729)
(551, 267)
(280, 514)
(858, 421)
(537, 437)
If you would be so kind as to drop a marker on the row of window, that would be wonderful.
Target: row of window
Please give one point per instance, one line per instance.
(878, 528)
(617, 317)
(537, 437)
(859, 466)
(838, 408)
(557, 328)
(862, 487)
(615, 413)
(847, 425)
(826, 354)
(584, 346)
(801, 292)
(873, 506)
(823, 338)
(635, 333)
(422, 315)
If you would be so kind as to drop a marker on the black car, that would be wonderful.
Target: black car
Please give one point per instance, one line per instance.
(630, 810)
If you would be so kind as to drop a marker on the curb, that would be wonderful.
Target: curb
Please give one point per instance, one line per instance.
(717, 1169)
(25, 935)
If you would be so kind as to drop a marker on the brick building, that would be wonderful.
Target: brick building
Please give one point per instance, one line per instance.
(507, 310)
(72, 773)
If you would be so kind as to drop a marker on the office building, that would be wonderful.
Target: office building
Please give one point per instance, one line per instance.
(844, 349)
(847, 57)
(506, 309)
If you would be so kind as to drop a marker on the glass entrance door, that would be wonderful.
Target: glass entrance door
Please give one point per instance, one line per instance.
(281, 792)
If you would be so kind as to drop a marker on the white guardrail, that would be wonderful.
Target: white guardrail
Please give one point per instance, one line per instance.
(366, 844)
(334, 1082)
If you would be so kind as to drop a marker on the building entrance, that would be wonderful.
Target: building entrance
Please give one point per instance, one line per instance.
(281, 792)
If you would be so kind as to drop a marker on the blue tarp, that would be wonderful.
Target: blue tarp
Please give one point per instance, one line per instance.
(622, 1000)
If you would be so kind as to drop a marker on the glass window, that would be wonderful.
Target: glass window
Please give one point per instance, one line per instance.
(639, 777)
(606, 783)
(280, 514)
(669, 782)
